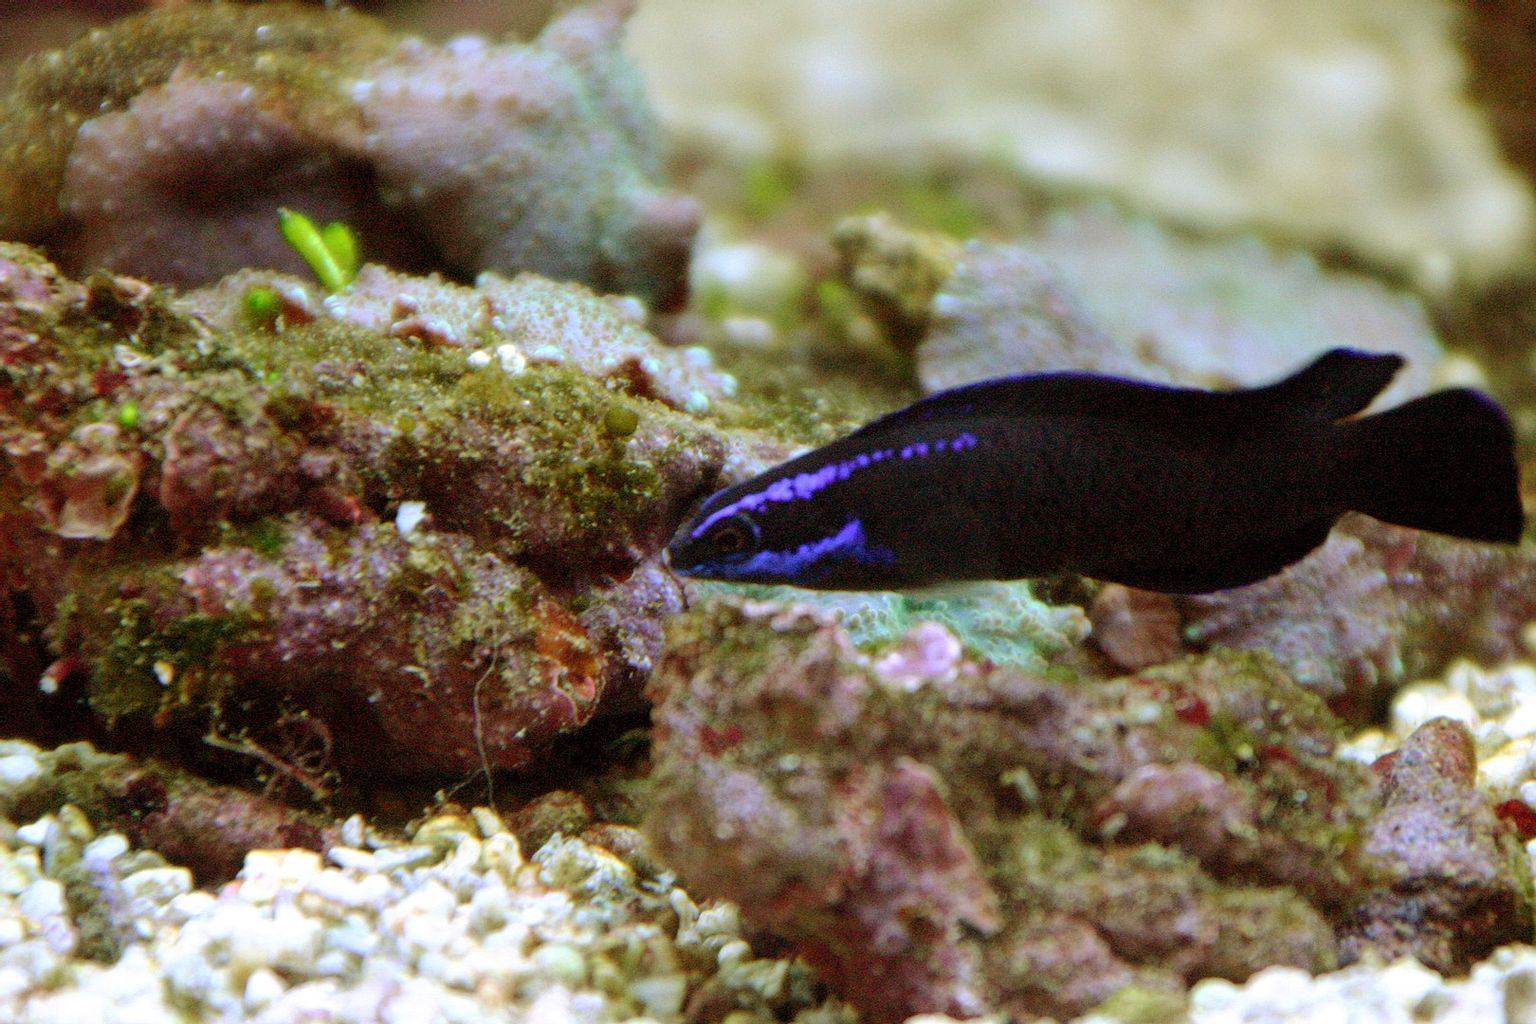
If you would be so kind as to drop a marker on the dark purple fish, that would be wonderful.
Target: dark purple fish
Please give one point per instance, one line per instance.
(1172, 489)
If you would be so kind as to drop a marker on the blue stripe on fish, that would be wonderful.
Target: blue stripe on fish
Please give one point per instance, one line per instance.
(846, 545)
(803, 486)
(1164, 488)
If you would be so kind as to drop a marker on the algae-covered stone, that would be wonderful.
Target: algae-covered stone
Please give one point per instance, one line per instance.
(258, 568)
(1061, 839)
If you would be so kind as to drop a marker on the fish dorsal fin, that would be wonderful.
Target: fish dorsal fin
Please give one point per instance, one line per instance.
(1338, 383)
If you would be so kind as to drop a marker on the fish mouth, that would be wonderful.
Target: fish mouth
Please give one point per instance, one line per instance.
(671, 555)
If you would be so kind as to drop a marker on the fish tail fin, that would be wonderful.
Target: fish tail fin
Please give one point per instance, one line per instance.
(1444, 462)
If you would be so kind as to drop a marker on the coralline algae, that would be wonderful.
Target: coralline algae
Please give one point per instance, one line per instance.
(541, 158)
(1375, 606)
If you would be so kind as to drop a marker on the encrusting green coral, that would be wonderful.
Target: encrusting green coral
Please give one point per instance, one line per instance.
(1002, 622)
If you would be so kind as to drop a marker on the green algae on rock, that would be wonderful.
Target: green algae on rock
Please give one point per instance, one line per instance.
(249, 568)
(942, 835)
(164, 145)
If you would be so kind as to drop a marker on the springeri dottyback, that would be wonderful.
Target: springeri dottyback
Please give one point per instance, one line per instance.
(1164, 488)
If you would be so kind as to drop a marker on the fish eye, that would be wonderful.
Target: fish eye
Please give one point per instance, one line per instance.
(733, 536)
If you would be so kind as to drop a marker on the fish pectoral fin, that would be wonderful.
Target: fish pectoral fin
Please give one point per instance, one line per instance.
(1248, 564)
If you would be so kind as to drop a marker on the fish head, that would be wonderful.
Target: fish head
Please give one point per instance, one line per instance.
(777, 529)
(716, 547)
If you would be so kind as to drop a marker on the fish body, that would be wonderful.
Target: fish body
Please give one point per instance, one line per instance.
(1174, 489)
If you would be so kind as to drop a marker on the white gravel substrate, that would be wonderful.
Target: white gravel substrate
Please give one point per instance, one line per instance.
(456, 925)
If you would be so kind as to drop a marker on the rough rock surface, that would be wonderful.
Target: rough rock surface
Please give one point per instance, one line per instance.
(1094, 290)
(1457, 887)
(1376, 606)
(1058, 840)
(197, 514)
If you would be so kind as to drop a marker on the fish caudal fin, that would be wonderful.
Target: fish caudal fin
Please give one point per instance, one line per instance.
(1444, 462)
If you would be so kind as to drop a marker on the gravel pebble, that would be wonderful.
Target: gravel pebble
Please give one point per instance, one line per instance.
(452, 924)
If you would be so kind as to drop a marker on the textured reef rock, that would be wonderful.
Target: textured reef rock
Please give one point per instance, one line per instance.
(1326, 122)
(1094, 291)
(1373, 607)
(163, 146)
(1457, 884)
(196, 510)
(204, 827)
(941, 835)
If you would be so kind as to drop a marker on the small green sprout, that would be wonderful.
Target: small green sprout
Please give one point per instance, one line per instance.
(936, 205)
(768, 186)
(128, 415)
(331, 252)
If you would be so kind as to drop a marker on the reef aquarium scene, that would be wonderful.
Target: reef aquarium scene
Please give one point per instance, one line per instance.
(789, 512)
